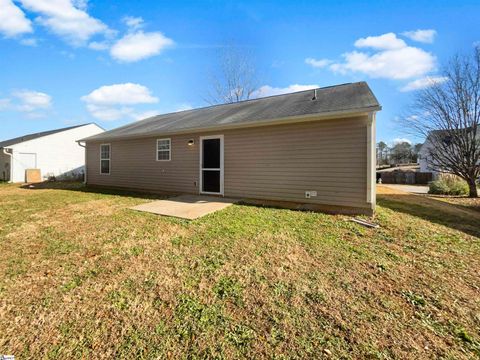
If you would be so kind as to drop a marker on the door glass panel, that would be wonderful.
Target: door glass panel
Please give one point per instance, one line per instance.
(211, 181)
(104, 166)
(211, 154)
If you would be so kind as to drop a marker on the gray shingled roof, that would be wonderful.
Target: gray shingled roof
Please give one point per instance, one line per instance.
(27, 137)
(341, 98)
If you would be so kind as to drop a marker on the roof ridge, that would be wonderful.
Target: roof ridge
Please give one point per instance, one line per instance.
(239, 102)
(343, 97)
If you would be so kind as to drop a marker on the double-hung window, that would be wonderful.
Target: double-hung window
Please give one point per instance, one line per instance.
(105, 159)
(164, 149)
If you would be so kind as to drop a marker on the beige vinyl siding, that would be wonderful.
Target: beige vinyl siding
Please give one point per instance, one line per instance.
(278, 162)
(133, 164)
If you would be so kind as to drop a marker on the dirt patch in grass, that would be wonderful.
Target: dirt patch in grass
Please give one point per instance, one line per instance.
(82, 276)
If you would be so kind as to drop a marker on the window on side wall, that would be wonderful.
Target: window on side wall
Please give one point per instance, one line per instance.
(105, 159)
(164, 150)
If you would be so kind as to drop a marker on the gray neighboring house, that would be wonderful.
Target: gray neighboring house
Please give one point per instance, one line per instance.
(315, 148)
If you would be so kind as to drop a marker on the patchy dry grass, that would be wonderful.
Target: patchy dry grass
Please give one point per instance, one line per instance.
(81, 276)
(465, 202)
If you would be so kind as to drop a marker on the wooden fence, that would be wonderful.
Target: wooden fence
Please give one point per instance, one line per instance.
(406, 177)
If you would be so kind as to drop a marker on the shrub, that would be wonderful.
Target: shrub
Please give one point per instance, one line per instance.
(448, 186)
(438, 187)
(459, 187)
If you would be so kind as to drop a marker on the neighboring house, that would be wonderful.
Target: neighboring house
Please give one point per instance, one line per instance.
(314, 147)
(55, 153)
(424, 158)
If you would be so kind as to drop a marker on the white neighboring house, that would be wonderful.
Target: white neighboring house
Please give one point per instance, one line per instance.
(55, 152)
(424, 159)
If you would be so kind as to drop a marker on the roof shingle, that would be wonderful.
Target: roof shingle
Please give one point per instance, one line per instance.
(333, 99)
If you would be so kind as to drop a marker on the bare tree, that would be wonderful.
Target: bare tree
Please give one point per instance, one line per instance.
(235, 78)
(447, 114)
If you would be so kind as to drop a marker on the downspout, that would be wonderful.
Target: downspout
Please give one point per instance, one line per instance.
(371, 161)
(11, 164)
(85, 176)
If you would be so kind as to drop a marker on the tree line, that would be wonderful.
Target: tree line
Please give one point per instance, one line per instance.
(400, 153)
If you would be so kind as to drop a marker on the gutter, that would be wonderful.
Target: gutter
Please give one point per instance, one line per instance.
(253, 124)
(11, 163)
(85, 160)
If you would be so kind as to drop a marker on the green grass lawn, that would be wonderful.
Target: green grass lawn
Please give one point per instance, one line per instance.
(82, 276)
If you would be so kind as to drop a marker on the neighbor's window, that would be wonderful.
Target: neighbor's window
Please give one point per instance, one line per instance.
(105, 159)
(163, 149)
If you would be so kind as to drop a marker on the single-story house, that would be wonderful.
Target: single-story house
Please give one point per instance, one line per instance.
(55, 153)
(314, 147)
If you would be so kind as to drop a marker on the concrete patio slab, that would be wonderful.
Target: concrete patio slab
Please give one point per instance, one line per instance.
(186, 206)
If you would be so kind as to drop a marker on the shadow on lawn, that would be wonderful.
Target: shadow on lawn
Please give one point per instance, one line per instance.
(452, 216)
(430, 209)
(81, 187)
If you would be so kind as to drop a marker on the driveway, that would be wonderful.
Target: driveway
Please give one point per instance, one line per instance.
(414, 189)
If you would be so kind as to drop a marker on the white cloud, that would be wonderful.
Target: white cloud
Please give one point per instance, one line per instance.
(120, 94)
(139, 45)
(99, 45)
(183, 107)
(107, 113)
(31, 101)
(392, 59)
(34, 104)
(29, 42)
(423, 36)
(67, 18)
(145, 114)
(4, 103)
(13, 21)
(68, 54)
(113, 102)
(423, 83)
(321, 63)
(132, 22)
(401, 140)
(80, 4)
(267, 90)
(387, 41)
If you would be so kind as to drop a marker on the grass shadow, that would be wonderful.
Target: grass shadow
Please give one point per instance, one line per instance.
(81, 187)
(436, 211)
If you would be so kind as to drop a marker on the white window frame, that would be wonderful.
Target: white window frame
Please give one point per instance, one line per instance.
(109, 159)
(169, 149)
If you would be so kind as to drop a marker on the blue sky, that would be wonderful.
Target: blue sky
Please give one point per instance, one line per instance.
(66, 62)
